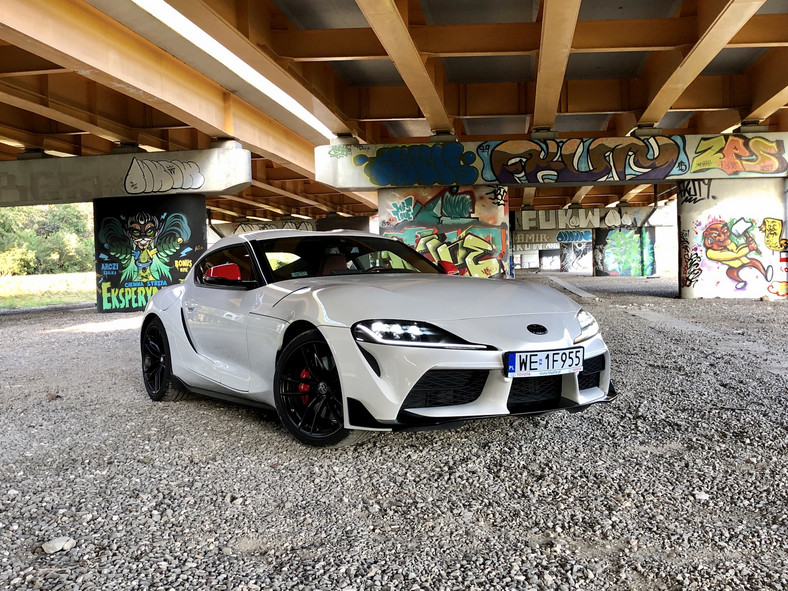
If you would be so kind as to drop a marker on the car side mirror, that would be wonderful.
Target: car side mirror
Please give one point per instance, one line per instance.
(449, 268)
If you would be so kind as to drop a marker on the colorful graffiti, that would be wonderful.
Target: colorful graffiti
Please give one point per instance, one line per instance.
(780, 288)
(732, 245)
(143, 246)
(737, 154)
(772, 234)
(574, 236)
(436, 164)
(466, 226)
(539, 162)
(730, 235)
(624, 252)
(582, 160)
(473, 255)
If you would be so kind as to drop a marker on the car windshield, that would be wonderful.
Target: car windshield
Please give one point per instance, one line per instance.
(298, 257)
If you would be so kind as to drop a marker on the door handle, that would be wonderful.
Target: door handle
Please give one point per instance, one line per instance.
(190, 305)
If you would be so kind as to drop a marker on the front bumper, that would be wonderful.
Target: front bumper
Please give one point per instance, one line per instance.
(390, 387)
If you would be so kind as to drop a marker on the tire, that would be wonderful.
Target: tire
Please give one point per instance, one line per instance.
(308, 394)
(157, 375)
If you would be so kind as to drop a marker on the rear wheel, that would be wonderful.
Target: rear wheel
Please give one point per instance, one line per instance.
(308, 394)
(157, 365)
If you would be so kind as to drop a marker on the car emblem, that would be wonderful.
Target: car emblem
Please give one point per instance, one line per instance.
(537, 329)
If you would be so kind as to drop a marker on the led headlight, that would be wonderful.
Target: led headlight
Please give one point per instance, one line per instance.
(409, 334)
(588, 326)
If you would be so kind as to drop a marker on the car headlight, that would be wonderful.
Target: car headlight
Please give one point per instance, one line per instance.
(588, 326)
(408, 334)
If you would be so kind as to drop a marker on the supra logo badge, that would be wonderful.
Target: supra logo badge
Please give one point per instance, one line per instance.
(537, 329)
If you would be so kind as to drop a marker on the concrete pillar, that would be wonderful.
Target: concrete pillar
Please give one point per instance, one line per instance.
(465, 225)
(144, 244)
(731, 234)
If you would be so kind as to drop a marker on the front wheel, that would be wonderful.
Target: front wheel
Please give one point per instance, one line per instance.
(308, 394)
(157, 365)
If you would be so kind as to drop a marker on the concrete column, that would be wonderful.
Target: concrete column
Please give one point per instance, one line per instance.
(731, 234)
(144, 244)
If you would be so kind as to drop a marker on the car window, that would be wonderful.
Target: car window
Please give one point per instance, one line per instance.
(238, 255)
(319, 256)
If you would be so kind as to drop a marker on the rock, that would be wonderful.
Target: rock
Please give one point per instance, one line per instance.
(57, 544)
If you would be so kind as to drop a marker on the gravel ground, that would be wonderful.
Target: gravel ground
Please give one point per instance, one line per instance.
(681, 483)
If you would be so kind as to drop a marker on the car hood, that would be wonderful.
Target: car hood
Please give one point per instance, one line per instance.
(347, 299)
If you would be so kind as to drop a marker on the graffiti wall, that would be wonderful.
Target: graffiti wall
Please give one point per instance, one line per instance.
(731, 235)
(627, 252)
(535, 162)
(143, 245)
(608, 241)
(467, 226)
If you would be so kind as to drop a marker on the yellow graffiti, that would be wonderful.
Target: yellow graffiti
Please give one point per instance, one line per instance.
(472, 250)
(779, 288)
(772, 229)
(183, 265)
(469, 253)
(437, 249)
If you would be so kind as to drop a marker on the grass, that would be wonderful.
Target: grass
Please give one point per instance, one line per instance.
(28, 291)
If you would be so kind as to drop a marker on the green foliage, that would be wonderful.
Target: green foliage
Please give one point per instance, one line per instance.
(17, 261)
(60, 237)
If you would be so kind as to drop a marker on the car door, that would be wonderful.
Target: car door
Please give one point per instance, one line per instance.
(216, 312)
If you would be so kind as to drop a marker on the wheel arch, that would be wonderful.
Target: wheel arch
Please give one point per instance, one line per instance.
(296, 328)
(146, 322)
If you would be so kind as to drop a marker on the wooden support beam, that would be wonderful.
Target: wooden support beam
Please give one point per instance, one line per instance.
(386, 20)
(558, 26)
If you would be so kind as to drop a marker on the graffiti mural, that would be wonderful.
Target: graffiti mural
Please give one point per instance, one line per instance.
(576, 257)
(624, 252)
(420, 164)
(467, 226)
(539, 162)
(574, 236)
(582, 161)
(144, 245)
(731, 244)
(737, 154)
(730, 241)
(780, 288)
(160, 176)
(772, 234)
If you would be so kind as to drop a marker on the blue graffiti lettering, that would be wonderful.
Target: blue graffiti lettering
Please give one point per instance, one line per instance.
(433, 164)
(574, 236)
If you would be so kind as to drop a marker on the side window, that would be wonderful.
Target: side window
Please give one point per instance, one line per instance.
(235, 255)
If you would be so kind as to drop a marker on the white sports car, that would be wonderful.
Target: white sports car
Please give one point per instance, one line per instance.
(345, 333)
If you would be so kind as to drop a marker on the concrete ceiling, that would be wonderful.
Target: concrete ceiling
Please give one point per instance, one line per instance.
(82, 77)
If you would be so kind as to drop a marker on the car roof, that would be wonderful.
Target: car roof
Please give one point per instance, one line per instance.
(280, 233)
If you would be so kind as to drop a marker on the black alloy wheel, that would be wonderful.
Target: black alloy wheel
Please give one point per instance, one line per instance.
(307, 391)
(157, 366)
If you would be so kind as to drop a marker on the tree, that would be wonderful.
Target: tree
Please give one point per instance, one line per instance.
(59, 236)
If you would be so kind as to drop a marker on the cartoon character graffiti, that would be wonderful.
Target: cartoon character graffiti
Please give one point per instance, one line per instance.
(720, 247)
(144, 243)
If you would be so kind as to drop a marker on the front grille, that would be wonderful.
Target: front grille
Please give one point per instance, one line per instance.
(446, 387)
(592, 368)
(532, 394)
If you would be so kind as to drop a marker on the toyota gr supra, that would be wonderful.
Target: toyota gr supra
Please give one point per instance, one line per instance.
(343, 333)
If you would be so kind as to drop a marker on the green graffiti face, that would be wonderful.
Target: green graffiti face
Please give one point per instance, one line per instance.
(142, 234)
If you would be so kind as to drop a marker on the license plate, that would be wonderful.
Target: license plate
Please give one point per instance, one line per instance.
(544, 363)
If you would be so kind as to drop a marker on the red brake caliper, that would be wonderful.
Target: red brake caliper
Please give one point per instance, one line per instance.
(304, 388)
